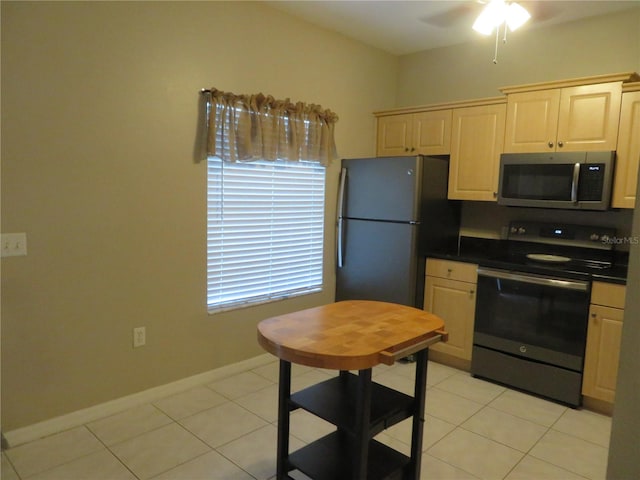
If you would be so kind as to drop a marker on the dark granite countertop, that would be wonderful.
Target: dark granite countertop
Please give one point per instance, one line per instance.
(491, 253)
(616, 274)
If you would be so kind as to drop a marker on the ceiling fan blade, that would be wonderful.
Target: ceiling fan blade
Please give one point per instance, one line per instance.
(541, 11)
(460, 13)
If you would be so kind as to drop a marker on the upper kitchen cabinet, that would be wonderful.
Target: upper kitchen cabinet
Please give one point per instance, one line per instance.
(625, 182)
(477, 136)
(588, 117)
(532, 121)
(394, 135)
(569, 115)
(421, 133)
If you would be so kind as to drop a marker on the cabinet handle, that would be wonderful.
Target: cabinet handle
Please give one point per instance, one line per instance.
(412, 149)
(560, 144)
(495, 194)
(471, 292)
(406, 149)
(550, 144)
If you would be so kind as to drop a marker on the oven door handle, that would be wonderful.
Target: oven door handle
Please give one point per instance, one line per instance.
(548, 282)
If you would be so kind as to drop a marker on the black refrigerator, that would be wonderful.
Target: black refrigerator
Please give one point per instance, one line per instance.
(392, 213)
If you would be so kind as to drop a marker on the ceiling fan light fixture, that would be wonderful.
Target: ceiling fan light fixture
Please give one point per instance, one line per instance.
(517, 16)
(498, 12)
(491, 16)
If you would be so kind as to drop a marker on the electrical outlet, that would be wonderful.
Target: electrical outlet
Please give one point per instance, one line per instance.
(13, 244)
(139, 336)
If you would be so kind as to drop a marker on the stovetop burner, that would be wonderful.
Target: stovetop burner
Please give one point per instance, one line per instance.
(547, 258)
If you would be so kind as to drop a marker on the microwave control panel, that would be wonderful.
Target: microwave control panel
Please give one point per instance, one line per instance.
(591, 182)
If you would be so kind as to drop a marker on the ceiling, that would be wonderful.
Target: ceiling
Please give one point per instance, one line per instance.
(401, 27)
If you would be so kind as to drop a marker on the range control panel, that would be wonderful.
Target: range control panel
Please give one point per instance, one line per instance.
(563, 234)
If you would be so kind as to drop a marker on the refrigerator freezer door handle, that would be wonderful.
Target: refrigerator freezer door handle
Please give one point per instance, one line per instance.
(340, 242)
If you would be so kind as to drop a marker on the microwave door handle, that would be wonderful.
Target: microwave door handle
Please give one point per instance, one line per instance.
(340, 235)
(574, 183)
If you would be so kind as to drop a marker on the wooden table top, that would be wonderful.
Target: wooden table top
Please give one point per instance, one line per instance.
(349, 335)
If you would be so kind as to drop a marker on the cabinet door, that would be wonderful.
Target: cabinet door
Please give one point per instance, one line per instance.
(602, 353)
(394, 135)
(477, 137)
(625, 183)
(454, 302)
(432, 132)
(588, 117)
(532, 121)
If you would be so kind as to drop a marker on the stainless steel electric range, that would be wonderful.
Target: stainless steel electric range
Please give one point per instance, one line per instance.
(532, 307)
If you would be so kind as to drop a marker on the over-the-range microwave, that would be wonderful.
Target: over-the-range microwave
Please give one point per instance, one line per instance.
(572, 180)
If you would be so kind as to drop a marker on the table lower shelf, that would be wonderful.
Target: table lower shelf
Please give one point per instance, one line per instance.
(334, 400)
(328, 459)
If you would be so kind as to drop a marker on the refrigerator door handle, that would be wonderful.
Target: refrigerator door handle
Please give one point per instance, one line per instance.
(340, 242)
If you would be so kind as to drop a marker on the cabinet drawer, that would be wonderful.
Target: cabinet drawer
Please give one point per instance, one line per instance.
(608, 294)
(464, 272)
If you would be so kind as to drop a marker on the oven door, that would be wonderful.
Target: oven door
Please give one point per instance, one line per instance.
(532, 316)
(555, 183)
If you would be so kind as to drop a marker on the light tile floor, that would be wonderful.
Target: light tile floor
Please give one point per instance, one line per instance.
(226, 430)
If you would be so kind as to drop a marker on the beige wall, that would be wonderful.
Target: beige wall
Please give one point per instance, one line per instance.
(595, 46)
(99, 107)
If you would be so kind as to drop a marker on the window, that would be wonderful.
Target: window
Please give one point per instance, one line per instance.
(265, 224)
(265, 197)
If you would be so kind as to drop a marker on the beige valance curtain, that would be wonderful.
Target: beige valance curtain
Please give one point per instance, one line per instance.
(259, 127)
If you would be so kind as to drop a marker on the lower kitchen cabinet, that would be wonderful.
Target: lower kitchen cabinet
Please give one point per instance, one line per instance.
(450, 293)
(603, 341)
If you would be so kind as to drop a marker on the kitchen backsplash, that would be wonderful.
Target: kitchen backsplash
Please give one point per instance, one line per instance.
(489, 220)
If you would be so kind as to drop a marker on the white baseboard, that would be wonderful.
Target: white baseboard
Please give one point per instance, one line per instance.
(86, 415)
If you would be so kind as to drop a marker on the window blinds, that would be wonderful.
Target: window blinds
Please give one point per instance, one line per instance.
(265, 222)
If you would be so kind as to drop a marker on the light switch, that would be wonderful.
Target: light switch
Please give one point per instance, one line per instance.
(13, 244)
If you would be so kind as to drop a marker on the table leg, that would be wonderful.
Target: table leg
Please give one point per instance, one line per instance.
(284, 395)
(363, 419)
(422, 358)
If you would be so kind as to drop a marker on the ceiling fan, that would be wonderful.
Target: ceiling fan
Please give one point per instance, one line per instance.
(465, 13)
(487, 16)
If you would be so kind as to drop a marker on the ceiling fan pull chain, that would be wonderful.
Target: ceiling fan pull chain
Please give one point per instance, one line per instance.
(495, 53)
